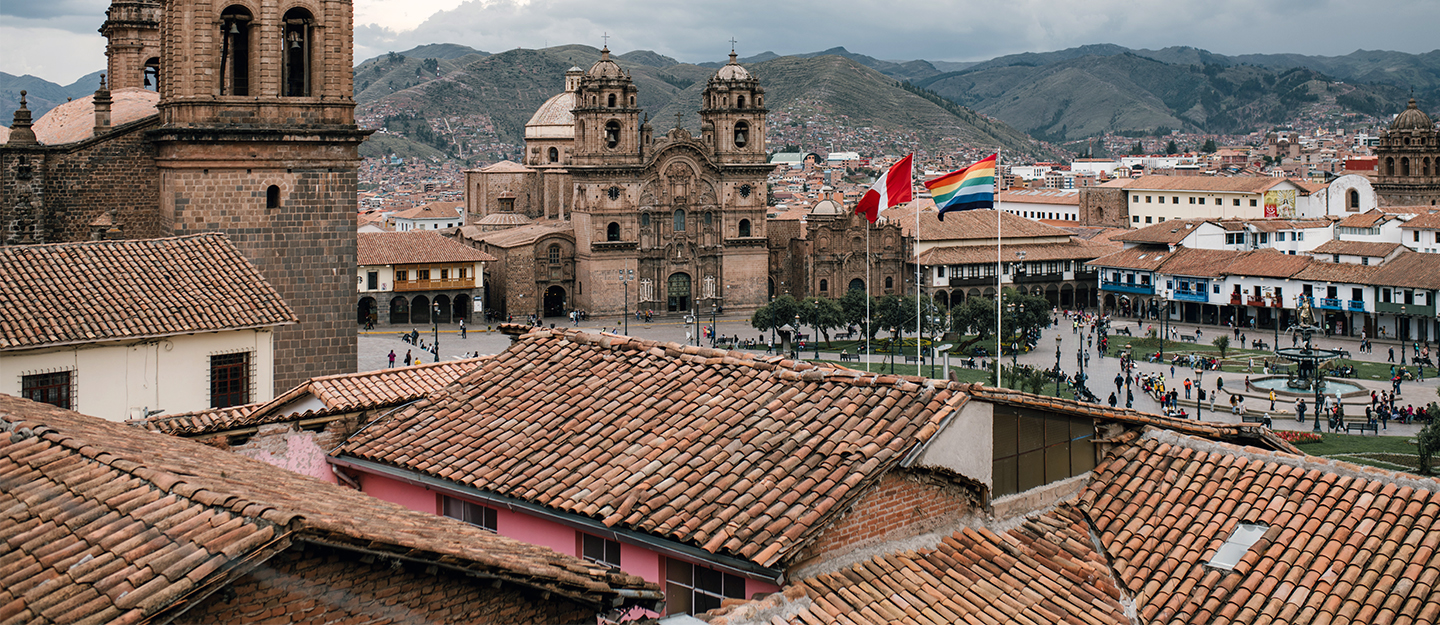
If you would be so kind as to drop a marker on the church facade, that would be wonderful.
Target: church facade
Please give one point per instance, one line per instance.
(672, 223)
(1409, 160)
(249, 131)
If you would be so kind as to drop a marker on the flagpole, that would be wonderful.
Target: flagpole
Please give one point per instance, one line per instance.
(867, 294)
(918, 361)
(999, 288)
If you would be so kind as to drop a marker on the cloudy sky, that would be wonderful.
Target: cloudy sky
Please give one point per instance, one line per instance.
(57, 39)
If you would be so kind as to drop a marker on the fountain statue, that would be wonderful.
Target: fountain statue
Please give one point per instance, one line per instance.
(1307, 357)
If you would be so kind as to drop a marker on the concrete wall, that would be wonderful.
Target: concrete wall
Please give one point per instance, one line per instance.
(964, 446)
(115, 381)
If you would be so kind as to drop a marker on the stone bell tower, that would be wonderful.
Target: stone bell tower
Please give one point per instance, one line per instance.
(733, 115)
(607, 120)
(257, 139)
(132, 33)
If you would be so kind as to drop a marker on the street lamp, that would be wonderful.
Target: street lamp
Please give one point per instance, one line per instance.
(695, 316)
(435, 319)
(1057, 364)
(796, 346)
(1403, 339)
(815, 325)
(626, 276)
(712, 324)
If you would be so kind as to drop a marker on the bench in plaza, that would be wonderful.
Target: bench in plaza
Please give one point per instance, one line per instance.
(844, 357)
(1125, 331)
(1362, 426)
(1188, 338)
(912, 359)
(1255, 418)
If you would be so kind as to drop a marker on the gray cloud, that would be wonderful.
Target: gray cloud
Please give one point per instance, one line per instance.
(94, 10)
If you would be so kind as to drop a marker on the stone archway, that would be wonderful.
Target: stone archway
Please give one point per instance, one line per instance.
(856, 285)
(442, 309)
(555, 301)
(419, 309)
(366, 310)
(942, 299)
(1067, 295)
(678, 293)
(399, 310)
(460, 308)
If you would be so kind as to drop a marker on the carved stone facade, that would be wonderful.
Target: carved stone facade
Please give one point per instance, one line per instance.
(253, 136)
(825, 255)
(1409, 160)
(686, 215)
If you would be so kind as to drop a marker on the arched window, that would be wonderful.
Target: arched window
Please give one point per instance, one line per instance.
(612, 134)
(272, 197)
(742, 134)
(1425, 167)
(1404, 166)
(739, 101)
(1354, 199)
(554, 155)
(612, 232)
(632, 101)
(611, 101)
(857, 285)
(1390, 166)
(296, 68)
(679, 220)
(152, 74)
(824, 285)
(744, 227)
(889, 282)
(235, 51)
(644, 220)
(709, 219)
(554, 254)
(759, 100)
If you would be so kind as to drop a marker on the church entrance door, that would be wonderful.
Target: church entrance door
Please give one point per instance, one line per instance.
(678, 291)
(555, 302)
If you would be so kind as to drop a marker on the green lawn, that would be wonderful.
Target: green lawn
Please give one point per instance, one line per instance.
(963, 374)
(1387, 452)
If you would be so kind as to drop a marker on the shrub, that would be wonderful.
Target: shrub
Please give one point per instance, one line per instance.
(1298, 438)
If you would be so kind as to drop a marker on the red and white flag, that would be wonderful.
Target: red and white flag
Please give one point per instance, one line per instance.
(891, 189)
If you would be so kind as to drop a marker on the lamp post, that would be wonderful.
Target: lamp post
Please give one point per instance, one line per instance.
(1057, 364)
(796, 346)
(712, 324)
(695, 316)
(1164, 321)
(435, 320)
(626, 276)
(1403, 339)
(815, 325)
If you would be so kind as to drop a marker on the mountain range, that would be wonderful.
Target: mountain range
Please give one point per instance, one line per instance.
(432, 98)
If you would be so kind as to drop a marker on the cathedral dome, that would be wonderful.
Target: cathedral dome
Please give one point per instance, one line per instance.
(75, 120)
(732, 70)
(1412, 118)
(502, 221)
(605, 68)
(554, 119)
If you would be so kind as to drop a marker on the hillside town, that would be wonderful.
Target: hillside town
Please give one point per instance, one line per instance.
(630, 372)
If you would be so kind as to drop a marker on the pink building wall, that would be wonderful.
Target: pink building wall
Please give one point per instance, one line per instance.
(634, 559)
(295, 451)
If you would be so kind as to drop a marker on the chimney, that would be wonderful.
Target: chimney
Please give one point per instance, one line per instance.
(20, 132)
(102, 108)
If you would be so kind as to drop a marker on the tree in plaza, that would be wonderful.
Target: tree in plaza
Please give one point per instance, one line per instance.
(779, 316)
(823, 314)
(1221, 343)
(853, 305)
(1428, 441)
(892, 313)
(977, 316)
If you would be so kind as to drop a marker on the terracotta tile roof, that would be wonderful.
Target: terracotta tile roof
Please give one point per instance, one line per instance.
(1426, 221)
(1345, 544)
(1144, 258)
(1063, 197)
(738, 455)
(433, 210)
(1366, 219)
(1352, 273)
(1170, 232)
(107, 523)
(72, 293)
(1267, 263)
(1200, 263)
(1047, 570)
(518, 237)
(1356, 248)
(1078, 249)
(975, 224)
(1410, 270)
(414, 247)
(351, 392)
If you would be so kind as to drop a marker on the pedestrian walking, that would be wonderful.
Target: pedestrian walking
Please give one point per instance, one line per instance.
(408, 357)
(1300, 410)
(392, 359)
(1392, 355)
(1187, 387)
(1272, 400)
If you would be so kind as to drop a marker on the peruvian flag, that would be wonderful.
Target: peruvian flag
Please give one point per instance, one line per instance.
(891, 189)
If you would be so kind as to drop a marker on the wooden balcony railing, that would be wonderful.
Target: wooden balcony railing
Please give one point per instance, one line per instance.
(435, 285)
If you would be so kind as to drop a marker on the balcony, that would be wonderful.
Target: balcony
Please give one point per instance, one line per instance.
(1410, 310)
(1023, 278)
(1125, 287)
(434, 285)
(1356, 305)
(1328, 303)
(1258, 302)
(980, 281)
(1235, 299)
(1190, 296)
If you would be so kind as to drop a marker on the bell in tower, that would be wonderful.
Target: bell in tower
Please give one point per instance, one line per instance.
(733, 114)
(607, 121)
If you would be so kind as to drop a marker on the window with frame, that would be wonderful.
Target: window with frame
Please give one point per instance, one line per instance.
(1033, 448)
(1135, 219)
(695, 589)
(553, 254)
(1145, 279)
(48, 388)
(1147, 199)
(422, 274)
(599, 550)
(229, 379)
(402, 275)
(1174, 199)
(1253, 203)
(1237, 201)
(469, 512)
(444, 274)
(940, 271)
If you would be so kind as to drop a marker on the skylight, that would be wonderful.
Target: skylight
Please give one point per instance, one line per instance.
(1244, 537)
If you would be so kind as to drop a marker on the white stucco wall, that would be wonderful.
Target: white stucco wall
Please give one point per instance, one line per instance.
(966, 444)
(118, 380)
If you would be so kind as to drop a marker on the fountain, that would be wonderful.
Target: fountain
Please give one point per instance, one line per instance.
(1307, 358)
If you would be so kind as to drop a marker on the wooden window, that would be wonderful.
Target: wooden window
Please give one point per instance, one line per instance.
(444, 274)
(229, 379)
(402, 276)
(1033, 448)
(600, 550)
(695, 589)
(422, 274)
(472, 513)
(48, 388)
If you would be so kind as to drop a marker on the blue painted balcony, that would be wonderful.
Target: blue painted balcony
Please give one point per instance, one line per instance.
(1198, 295)
(1356, 305)
(1125, 287)
(1328, 303)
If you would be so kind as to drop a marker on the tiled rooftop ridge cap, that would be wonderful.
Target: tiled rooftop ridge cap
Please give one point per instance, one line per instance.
(190, 487)
(784, 368)
(1300, 461)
